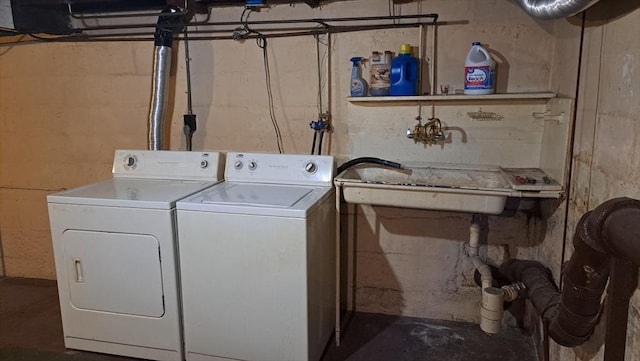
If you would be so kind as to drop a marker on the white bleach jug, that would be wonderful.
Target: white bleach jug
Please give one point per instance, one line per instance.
(479, 71)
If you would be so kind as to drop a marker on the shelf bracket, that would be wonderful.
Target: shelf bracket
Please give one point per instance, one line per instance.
(548, 115)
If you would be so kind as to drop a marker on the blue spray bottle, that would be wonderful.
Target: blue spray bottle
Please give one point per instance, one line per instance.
(358, 84)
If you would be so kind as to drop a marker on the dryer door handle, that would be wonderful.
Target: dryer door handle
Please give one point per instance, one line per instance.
(77, 264)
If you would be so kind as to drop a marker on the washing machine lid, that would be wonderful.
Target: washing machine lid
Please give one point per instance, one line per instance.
(280, 200)
(131, 193)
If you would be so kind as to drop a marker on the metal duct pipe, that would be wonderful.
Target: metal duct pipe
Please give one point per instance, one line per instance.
(161, 69)
(163, 39)
(555, 9)
(610, 231)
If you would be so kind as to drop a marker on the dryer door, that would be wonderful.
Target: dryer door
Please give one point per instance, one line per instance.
(114, 272)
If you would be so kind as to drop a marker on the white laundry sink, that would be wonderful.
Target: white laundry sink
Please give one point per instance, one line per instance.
(461, 188)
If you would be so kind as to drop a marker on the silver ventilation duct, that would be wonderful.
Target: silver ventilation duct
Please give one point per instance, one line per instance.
(555, 9)
(168, 23)
(161, 71)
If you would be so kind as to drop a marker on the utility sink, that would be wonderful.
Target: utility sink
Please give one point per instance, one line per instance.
(461, 188)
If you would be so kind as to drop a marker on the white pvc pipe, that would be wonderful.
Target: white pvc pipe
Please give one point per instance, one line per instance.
(474, 244)
(491, 310)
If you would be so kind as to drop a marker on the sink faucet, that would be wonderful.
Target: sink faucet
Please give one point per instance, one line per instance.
(430, 132)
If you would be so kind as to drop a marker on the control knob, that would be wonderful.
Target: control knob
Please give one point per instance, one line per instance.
(310, 167)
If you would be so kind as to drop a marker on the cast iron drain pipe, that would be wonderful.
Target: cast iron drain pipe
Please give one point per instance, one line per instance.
(605, 237)
(168, 23)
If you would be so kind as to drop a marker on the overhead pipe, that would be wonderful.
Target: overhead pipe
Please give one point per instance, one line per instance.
(609, 233)
(555, 9)
(163, 39)
(323, 26)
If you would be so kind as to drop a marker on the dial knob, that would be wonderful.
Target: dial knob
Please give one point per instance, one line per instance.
(310, 167)
(238, 164)
(252, 165)
(204, 164)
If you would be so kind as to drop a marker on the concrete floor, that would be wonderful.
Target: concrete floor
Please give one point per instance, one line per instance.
(31, 330)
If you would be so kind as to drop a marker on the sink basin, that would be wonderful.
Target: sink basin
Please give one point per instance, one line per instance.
(457, 187)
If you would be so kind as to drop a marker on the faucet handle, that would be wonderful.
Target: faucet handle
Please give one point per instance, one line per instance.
(409, 133)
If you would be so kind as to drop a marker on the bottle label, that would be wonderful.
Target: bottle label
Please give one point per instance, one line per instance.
(357, 87)
(380, 78)
(479, 77)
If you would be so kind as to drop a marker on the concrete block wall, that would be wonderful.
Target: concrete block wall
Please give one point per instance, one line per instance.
(65, 107)
(606, 159)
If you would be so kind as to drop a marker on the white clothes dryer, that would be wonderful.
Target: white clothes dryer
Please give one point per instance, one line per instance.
(257, 260)
(115, 253)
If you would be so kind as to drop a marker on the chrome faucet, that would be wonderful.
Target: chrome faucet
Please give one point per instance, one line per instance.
(428, 133)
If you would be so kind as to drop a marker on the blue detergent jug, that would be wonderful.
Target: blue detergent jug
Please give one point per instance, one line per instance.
(404, 73)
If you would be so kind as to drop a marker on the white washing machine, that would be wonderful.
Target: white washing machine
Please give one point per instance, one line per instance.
(115, 253)
(257, 260)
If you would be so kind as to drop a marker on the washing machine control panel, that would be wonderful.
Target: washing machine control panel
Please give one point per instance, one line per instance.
(160, 164)
(280, 168)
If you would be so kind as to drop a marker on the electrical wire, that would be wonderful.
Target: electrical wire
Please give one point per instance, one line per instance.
(262, 43)
(43, 38)
(319, 64)
(320, 111)
(572, 139)
(190, 124)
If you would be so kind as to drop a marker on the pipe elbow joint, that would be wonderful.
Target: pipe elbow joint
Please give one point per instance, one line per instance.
(614, 228)
(170, 21)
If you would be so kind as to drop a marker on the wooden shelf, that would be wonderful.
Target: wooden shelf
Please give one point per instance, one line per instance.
(452, 97)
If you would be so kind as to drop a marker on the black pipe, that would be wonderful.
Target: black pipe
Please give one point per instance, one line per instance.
(319, 21)
(168, 24)
(320, 143)
(373, 160)
(313, 144)
(611, 230)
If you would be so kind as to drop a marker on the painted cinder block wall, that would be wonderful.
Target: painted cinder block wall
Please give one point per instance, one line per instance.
(606, 159)
(64, 108)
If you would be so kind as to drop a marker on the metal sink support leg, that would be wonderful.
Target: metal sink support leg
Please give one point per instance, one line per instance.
(622, 284)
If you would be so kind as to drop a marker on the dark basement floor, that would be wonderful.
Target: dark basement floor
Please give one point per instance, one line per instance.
(31, 330)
